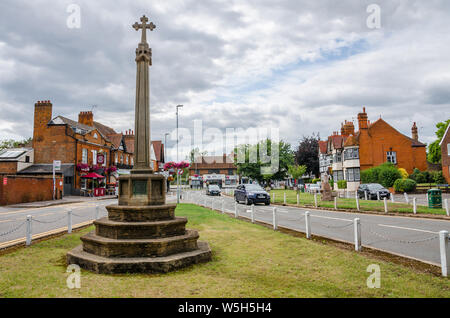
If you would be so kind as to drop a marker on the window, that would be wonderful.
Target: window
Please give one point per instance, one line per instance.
(213, 171)
(121, 159)
(95, 135)
(94, 157)
(68, 180)
(126, 159)
(391, 156)
(448, 149)
(338, 157)
(230, 172)
(132, 161)
(27, 159)
(84, 156)
(352, 174)
(350, 154)
(116, 158)
(338, 175)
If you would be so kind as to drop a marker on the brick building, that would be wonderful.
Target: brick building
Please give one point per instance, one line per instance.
(81, 146)
(445, 152)
(219, 170)
(344, 155)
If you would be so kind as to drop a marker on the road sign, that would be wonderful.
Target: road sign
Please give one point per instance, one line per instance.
(57, 165)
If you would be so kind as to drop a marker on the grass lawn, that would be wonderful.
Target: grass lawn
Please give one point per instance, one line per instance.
(307, 199)
(248, 261)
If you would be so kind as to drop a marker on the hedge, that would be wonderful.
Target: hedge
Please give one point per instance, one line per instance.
(342, 184)
(385, 174)
(404, 185)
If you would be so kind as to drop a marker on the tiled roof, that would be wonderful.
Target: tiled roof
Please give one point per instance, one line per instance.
(352, 140)
(116, 140)
(104, 130)
(129, 143)
(323, 146)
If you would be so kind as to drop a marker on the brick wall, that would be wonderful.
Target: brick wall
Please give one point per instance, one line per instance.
(445, 156)
(8, 167)
(22, 189)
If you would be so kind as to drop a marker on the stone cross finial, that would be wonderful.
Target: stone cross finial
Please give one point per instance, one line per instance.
(144, 26)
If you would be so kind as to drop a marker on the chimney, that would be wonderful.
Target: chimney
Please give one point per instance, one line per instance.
(362, 120)
(86, 118)
(42, 115)
(415, 134)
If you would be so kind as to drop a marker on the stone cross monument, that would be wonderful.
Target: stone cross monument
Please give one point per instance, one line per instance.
(141, 233)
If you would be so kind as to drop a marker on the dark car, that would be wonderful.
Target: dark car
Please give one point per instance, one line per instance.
(213, 189)
(372, 189)
(251, 194)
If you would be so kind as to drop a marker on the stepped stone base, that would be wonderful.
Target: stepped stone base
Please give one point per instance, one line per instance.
(134, 239)
(105, 265)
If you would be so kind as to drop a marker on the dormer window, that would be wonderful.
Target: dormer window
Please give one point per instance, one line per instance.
(95, 135)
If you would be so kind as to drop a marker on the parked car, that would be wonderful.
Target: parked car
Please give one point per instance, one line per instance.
(213, 189)
(251, 194)
(372, 189)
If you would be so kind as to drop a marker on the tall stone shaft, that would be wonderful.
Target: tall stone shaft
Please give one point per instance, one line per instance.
(142, 110)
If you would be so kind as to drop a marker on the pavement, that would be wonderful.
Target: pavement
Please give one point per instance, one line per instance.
(410, 237)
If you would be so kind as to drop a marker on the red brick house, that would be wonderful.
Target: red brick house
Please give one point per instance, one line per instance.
(445, 152)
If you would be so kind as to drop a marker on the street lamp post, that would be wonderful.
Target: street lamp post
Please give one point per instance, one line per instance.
(178, 175)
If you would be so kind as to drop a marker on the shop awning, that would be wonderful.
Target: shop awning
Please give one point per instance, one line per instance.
(93, 175)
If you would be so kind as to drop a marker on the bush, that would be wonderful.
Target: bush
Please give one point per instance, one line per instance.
(403, 172)
(438, 177)
(315, 180)
(342, 184)
(404, 185)
(385, 174)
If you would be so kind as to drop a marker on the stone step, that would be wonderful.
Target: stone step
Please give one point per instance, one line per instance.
(108, 247)
(104, 265)
(140, 230)
(148, 213)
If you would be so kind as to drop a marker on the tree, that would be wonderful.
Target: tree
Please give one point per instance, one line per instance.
(297, 171)
(194, 153)
(434, 150)
(255, 170)
(308, 154)
(11, 143)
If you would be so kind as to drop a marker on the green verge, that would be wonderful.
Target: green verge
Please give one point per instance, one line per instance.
(249, 260)
(307, 199)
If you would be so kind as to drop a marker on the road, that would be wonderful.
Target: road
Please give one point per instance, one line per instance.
(47, 219)
(412, 237)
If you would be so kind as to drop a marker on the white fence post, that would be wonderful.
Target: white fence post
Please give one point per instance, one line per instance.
(274, 219)
(235, 210)
(446, 207)
(392, 198)
(445, 259)
(315, 200)
(335, 203)
(357, 201)
(69, 221)
(365, 195)
(378, 195)
(253, 213)
(357, 229)
(97, 212)
(414, 205)
(307, 225)
(385, 205)
(29, 229)
(284, 200)
(406, 198)
(298, 198)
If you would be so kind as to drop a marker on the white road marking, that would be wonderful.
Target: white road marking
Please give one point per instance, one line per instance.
(407, 228)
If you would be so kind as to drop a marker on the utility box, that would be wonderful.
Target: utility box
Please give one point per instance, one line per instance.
(435, 198)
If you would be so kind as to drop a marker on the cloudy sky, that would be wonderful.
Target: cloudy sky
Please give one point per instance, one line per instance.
(300, 66)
